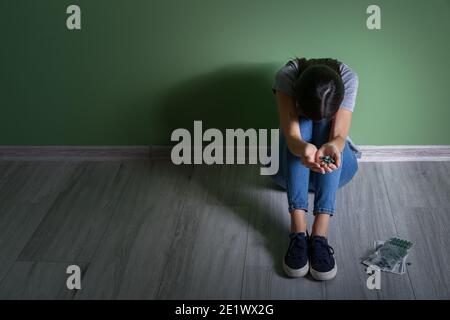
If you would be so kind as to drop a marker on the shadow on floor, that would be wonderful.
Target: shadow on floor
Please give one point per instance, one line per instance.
(250, 191)
(234, 96)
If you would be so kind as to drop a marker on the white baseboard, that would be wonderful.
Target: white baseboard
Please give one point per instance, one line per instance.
(369, 153)
(405, 153)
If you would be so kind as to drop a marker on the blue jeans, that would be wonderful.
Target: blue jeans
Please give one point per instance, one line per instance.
(298, 179)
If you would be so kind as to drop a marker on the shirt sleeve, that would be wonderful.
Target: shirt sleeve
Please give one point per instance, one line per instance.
(284, 80)
(351, 82)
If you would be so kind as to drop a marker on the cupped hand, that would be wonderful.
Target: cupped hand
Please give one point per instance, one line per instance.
(308, 158)
(328, 149)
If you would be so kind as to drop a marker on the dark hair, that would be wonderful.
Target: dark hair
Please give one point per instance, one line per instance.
(318, 88)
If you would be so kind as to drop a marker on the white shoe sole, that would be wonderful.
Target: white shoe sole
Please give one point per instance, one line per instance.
(323, 276)
(296, 273)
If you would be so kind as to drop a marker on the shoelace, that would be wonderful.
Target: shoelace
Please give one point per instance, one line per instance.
(324, 251)
(295, 243)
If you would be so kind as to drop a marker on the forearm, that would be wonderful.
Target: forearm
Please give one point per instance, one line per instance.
(290, 124)
(295, 144)
(340, 128)
(339, 142)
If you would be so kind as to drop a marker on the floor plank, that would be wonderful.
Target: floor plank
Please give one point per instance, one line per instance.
(29, 280)
(418, 194)
(28, 191)
(74, 225)
(208, 254)
(133, 252)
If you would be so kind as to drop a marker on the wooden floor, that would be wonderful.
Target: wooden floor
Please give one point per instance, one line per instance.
(150, 230)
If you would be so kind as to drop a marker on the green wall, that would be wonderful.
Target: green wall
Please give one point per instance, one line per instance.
(138, 69)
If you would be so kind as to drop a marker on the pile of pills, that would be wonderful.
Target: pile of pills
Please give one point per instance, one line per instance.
(327, 159)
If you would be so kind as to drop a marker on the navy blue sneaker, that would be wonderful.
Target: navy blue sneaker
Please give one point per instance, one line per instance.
(323, 266)
(295, 262)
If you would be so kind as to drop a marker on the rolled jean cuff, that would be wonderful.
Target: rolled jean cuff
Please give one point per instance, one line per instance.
(324, 210)
(297, 207)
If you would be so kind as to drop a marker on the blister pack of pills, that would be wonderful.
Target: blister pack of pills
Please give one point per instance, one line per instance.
(390, 256)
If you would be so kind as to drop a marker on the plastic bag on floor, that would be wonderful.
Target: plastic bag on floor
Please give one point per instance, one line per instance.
(389, 256)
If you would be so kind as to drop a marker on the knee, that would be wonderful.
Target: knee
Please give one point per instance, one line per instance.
(349, 169)
(306, 129)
